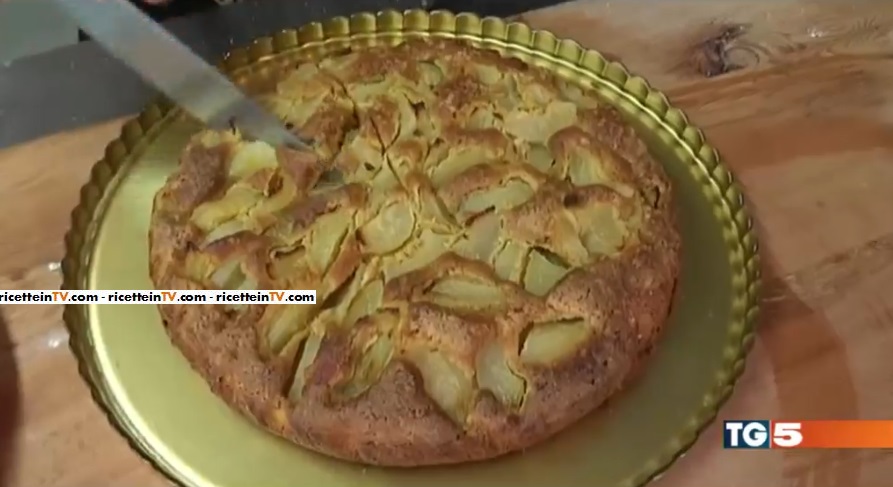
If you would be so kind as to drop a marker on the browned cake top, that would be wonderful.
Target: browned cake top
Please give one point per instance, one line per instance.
(481, 194)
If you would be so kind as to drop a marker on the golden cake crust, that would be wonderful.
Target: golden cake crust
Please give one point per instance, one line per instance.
(503, 255)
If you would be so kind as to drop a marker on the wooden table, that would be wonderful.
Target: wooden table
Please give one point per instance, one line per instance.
(798, 97)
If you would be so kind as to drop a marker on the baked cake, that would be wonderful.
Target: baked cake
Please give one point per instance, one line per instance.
(501, 256)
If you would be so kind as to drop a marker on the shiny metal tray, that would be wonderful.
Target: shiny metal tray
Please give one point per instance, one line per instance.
(170, 416)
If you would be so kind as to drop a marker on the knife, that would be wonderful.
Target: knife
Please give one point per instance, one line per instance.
(173, 69)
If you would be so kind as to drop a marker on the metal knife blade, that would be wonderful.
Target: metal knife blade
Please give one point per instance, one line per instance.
(172, 68)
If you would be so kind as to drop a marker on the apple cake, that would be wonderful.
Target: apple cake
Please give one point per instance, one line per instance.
(501, 256)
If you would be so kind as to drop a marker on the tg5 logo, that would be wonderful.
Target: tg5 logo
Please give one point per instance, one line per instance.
(756, 434)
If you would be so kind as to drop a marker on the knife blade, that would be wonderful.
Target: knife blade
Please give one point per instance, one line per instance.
(173, 69)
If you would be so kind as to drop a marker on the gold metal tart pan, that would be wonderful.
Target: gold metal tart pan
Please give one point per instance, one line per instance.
(171, 418)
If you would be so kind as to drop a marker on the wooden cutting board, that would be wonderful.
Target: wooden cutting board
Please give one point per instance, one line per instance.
(798, 97)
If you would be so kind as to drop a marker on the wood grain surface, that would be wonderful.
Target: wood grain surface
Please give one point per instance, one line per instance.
(798, 97)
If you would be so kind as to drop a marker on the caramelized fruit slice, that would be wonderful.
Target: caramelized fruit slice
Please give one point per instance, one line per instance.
(199, 266)
(601, 230)
(284, 321)
(482, 119)
(424, 250)
(365, 303)
(341, 300)
(466, 293)
(288, 263)
(445, 383)
(364, 153)
(551, 342)
(507, 195)
(372, 350)
(231, 275)
(304, 81)
(265, 209)
(576, 94)
(325, 238)
(214, 138)
(565, 240)
(495, 375)
(434, 214)
(458, 161)
(308, 355)
(251, 157)
(407, 123)
(431, 74)
(509, 262)
(225, 230)
(539, 156)
(544, 271)
(237, 201)
(366, 93)
(295, 344)
(537, 95)
(487, 74)
(370, 366)
(384, 181)
(506, 94)
(539, 127)
(584, 169)
(480, 239)
(389, 230)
